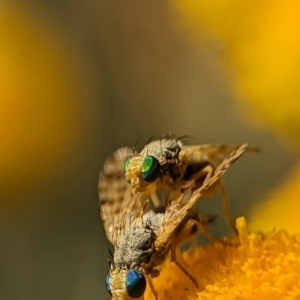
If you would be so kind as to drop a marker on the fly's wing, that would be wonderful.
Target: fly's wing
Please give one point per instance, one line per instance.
(116, 200)
(173, 220)
(213, 154)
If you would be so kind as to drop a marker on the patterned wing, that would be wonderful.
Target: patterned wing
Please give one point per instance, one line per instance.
(213, 154)
(116, 200)
(173, 220)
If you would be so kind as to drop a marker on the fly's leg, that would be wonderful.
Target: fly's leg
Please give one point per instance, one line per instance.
(226, 210)
(212, 239)
(207, 234)
(153, 290)
(209, 170)
(206, 172)
(188, 234)
(173, 258)
(191, 230)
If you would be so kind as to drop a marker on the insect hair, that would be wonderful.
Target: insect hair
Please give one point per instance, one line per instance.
(184, 139)
(134, 146)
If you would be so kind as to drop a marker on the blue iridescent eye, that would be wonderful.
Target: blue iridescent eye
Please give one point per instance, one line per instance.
(107, 284)
(150, 169)
(135, 284)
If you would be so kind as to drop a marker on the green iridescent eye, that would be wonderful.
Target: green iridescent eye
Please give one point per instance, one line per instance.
(127, 164)
(150, 169)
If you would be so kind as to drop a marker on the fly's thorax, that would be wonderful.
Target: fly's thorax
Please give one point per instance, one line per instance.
(163, 149)
(134, 247)
(167, 152)
(126, 284)
(154, 220)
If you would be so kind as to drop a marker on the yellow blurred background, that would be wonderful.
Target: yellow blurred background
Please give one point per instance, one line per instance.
(81, 79)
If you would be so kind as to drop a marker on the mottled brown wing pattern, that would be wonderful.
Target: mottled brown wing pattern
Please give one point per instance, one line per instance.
(115, 195)
(173, 220)
(214, 154)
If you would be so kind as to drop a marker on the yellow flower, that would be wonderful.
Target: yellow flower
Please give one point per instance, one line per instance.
(262, 267)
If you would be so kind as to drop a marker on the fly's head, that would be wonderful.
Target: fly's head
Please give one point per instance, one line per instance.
(126, 284)
(156, 166)
(143, 172)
